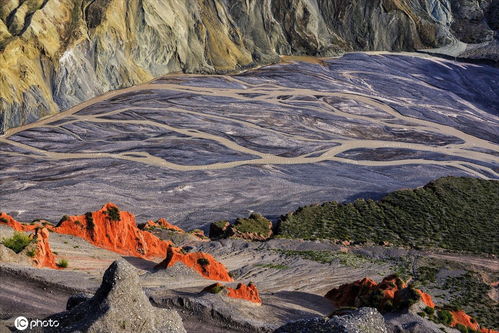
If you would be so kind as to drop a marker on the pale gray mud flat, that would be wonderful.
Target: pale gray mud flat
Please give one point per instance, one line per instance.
(196, 149)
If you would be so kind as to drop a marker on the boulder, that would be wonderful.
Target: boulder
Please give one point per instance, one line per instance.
(119, 305)
(363, 320)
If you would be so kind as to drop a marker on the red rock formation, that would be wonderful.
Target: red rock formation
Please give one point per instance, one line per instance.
(113, 230)
(246, 292)
(426, 298)
(6, 219)
(161, 223)
(460, 317)
(202, 262)
(488, 330)
(43, 254)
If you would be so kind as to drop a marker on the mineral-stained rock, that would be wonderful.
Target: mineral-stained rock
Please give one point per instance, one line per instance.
(203, 263)
(162, 224)
(119, 305)
(43, 253)
(8, 220)
(113, 230)
(363, 320)
(246, 292)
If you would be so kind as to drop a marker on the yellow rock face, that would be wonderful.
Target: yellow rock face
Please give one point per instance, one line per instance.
(55, 54)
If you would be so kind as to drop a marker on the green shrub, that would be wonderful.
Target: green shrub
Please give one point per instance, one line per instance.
(64, 218)
(214, 288)
(444, 317)
(90, 221)
(113, 213)
(203, 262)
(17, 242)
(3, 219)
(455, 213)
(62, 263)
(255, 223)
(429, 310)
(31, 253)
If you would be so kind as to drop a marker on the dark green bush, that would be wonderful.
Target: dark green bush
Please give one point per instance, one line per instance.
(203, 262)
(113, 213)
(455, 213)
(255, 223)
(444, 317)
(62, 263)
(429, 310)
(90, 221)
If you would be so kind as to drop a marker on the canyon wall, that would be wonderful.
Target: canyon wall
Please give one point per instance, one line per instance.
(55, 54)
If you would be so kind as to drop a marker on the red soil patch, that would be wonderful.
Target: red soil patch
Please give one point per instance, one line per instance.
(202, 262)
(161, 223)
(426, 298)
(460, 317)
(43, 254)
(117, 233)
(246, 292)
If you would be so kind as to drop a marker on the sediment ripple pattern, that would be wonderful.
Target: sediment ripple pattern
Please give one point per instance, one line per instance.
(289, 126)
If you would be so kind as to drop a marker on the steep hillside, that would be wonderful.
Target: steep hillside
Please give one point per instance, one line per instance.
(57, 53)
(451, 213)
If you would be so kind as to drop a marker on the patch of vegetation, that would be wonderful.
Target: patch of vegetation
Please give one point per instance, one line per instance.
(113, 213)
(62, 263)
(429, 311)
(255, 223)
(90, 221)
(64, 218)
(203, 262)
(444, 317)
(31, 253)
(327, 257)
(470, 293)
(273, 266)
(3, 219)
(214, 288)
(427, 274)
(221, 224)
(17, 242)
(455, 213)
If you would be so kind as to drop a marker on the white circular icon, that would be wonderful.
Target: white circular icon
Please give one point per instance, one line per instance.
(21, 323)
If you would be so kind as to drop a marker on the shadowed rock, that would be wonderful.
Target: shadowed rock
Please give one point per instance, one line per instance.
(119, 305)
(363, 320)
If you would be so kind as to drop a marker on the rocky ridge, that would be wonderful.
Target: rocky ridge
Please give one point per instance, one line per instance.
(119, 305)
(117, 231)
(55, 54)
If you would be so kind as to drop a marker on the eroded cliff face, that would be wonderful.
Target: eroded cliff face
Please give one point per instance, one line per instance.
(55, 54)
